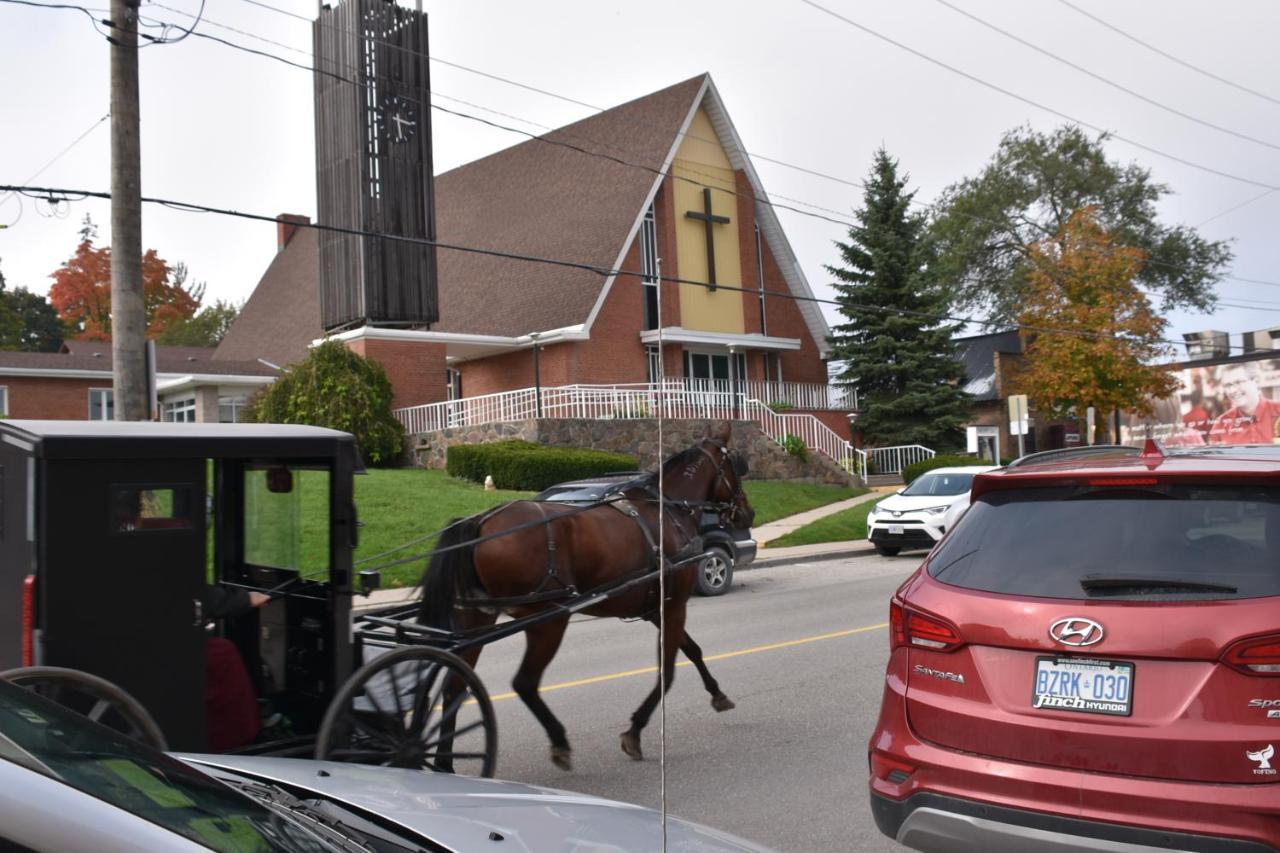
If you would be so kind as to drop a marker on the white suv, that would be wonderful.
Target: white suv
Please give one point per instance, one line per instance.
(919, 515)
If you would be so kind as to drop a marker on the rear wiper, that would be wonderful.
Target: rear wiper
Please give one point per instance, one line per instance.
(1098, 583)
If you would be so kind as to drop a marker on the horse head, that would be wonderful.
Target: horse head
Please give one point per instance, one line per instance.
(712, 474)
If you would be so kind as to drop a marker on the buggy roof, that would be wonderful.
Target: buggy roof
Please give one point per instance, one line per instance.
(150, 440)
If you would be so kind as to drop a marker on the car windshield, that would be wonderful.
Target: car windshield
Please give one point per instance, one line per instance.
(146, 783)
(1199, 542)
(939, 484)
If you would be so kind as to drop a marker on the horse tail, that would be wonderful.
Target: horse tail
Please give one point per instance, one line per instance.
(447, 571)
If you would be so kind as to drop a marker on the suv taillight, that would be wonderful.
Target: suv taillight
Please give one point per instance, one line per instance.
(910, 628)
(1255, 655)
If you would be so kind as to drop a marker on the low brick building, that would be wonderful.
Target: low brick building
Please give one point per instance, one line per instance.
(76, 383)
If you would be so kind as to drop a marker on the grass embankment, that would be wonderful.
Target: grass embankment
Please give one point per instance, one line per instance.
(399, 505)
(849, 524)
(775, 499)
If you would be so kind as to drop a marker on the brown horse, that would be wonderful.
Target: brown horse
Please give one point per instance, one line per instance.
(555, 552)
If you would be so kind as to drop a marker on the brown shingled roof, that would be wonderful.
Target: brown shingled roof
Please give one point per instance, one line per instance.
(282, 316)
(550, 201)
(535, 198)
(96, 355)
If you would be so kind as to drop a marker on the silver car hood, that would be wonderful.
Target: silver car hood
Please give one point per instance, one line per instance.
(460, 812)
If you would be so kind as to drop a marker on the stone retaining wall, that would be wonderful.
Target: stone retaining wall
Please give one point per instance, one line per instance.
(638, 438)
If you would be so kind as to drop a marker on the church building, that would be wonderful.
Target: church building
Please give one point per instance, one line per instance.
(662, 182)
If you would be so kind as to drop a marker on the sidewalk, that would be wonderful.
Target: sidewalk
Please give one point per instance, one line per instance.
(765, 556)
(766, 533)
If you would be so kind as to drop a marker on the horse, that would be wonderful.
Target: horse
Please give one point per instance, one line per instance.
(556, 551)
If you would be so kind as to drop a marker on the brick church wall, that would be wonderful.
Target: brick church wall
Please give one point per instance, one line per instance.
(38, 397)
(416, 369)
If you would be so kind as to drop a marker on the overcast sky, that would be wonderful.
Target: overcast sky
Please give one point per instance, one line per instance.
(229, 129)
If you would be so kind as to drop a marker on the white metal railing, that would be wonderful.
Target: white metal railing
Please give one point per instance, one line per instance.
(892, 460)
(679, 399)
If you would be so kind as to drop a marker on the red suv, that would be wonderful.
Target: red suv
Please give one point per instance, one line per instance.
(1090, 660)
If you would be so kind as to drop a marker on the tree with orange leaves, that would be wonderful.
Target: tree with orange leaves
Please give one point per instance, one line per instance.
(81, 291)
(1092, 334)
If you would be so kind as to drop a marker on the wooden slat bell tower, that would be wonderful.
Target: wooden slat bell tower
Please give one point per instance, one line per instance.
(373, 165)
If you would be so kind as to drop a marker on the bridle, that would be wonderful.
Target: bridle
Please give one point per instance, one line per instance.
(732, 508)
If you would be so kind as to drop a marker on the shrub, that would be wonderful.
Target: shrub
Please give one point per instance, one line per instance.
(532, 467)
(915, 469)
(794, 445)
(339, 389)
(780, 407)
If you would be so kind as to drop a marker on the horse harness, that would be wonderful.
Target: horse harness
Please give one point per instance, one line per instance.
(616, 500)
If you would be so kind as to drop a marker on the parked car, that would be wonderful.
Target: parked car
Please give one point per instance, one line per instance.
(71, 785)
(919, 514)
(728, 547)
(1090, 660)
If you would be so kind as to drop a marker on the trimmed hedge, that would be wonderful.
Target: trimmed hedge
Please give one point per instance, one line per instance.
(915, 469)
(531, 467)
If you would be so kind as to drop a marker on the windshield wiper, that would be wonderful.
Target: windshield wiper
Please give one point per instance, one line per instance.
(329, 827)
(1098, 583)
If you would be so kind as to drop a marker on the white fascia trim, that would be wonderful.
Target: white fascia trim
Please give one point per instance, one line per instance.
(767, 218)
(373, 333)
(172, 383)
(678, 335)
(653, 192)
(54, 373)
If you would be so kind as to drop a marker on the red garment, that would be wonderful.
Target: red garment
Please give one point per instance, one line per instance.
(1235, 427)
(230, 706)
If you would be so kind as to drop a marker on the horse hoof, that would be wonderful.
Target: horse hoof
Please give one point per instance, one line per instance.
(631, 745)
(722, 702)
(562, 757)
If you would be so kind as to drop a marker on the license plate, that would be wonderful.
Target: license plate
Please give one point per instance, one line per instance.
(895, 529)
(1083, 684)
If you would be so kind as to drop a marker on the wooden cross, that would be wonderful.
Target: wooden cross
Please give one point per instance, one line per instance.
(708, 219)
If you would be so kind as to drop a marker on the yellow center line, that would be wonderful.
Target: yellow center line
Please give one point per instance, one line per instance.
(652, 670)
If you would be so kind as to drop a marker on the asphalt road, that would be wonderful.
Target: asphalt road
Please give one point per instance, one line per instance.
(801, 650)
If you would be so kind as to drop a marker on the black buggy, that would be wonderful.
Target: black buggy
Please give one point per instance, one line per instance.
(113, 533)
(110, 533)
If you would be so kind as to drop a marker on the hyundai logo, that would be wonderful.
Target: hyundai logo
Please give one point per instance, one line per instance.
(1075, 631)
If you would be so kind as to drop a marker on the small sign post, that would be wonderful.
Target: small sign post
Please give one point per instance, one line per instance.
(1018, 418)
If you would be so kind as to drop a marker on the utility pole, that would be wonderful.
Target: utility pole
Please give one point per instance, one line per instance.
(128, 331)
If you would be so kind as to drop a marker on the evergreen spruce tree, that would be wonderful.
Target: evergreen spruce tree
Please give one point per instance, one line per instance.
(896, 345)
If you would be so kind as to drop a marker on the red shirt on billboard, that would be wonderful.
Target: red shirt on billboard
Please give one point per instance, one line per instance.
(1252, 418)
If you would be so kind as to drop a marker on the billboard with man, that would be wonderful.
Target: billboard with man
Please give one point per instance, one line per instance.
(1235, 402)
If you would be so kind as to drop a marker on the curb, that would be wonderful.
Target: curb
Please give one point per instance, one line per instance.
(764, 560)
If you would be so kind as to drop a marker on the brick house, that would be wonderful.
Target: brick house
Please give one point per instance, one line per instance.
(76, 383)
(685, 195)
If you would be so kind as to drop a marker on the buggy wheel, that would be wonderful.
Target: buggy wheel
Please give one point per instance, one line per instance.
(92, 697)
(413, 707)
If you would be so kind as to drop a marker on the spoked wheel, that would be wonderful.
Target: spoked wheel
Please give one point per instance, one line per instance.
(413, 707)
(90, 696)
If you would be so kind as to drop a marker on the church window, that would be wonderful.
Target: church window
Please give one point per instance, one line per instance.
(649, 267)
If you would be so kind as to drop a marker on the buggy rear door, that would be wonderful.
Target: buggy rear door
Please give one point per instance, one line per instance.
(120, 577)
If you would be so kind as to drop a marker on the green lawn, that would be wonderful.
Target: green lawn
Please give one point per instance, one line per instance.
(775, 499)
(839, 527)
(400, 504)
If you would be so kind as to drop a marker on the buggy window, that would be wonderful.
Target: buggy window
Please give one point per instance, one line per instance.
(136, 509)
(1138, 543)
(286, 517)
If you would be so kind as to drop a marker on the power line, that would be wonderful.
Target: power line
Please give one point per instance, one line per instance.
(579, 149)
(62, 194)
(1009, 93)
(38, 172)
(1236, 207)
(1167, 55)
(845, 181)
(1105, 80)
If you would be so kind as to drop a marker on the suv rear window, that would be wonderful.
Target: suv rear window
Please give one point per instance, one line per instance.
(1162, 542)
